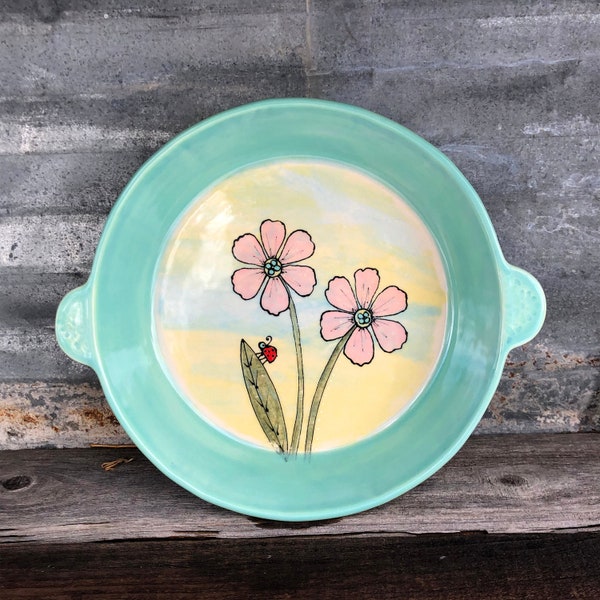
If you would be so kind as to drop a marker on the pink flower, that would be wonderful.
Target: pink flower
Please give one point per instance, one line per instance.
(362, 313)
(274, 259)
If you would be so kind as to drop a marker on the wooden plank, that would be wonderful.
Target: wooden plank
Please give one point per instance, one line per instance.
(35, 353)
(133, 117)
(30, 299)
(543, 391)
(459, 567)
(493, 104)
(455, 9)
(499, 484)
(71, 10)
(387, 34)
(103, 51)
(32, 11)
(65, 183)
(512, 172)
(57, 243)
(412, 34)
(412, 82)
(45, 413)
(489, 105)
(26, 138)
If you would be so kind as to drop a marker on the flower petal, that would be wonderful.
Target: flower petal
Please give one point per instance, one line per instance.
(391, 301)
(300, 278)
(366, 282)
(275, 298)
(359, 348)
(297, 247)
(340, 294)
(335, 324)
(391, 335)
(272, 234)
(247, 249)
(247, 282)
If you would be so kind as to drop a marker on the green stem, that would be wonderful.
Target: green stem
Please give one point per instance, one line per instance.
(300, 363)
(316, 401)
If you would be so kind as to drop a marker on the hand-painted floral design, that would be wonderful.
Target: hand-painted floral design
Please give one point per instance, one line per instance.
(361, 312)
(274, 261)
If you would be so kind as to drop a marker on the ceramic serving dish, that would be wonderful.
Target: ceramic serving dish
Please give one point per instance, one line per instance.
(299, 310)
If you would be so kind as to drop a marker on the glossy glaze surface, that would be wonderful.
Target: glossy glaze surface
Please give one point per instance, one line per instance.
(491, 308)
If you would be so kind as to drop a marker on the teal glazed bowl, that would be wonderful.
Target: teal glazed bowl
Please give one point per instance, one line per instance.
(299, 310)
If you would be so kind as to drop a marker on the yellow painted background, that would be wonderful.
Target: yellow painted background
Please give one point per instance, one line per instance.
(355, 222)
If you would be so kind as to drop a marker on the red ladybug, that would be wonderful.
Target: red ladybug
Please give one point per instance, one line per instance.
(267, 352)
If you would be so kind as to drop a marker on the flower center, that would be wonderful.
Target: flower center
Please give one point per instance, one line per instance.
(363, 317)
(273, 267)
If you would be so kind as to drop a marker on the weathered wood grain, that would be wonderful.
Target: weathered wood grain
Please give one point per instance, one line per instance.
(44, 413)
(29, 299)
(458, 567)
(58, 183)
(73, 239)
(498, 484)
(90, 90)
(49, 57)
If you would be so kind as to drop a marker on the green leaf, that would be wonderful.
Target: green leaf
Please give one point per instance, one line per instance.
(264, 398)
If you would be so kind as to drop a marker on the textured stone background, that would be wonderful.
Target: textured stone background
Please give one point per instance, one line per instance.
(508, 90)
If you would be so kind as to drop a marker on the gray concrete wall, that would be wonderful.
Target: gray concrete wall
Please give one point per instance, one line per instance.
(88, 91)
